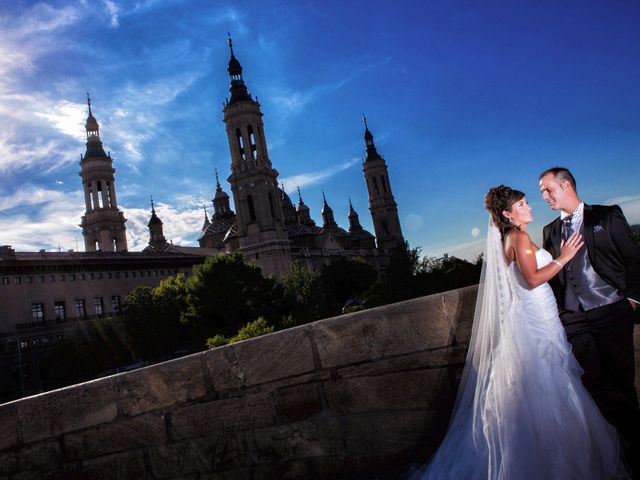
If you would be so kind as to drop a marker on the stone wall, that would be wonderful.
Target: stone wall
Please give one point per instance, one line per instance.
(359, 396)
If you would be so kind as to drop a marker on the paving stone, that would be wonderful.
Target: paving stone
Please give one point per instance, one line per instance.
(162, 385)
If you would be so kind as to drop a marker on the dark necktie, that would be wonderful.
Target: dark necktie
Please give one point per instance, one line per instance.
(567, 228)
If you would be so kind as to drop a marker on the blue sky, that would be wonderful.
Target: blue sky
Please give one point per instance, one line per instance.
(460, 96)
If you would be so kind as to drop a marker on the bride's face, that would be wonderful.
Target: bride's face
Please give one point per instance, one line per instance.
(520, 213)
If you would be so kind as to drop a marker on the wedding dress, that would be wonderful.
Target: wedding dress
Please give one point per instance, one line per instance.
(521, 410)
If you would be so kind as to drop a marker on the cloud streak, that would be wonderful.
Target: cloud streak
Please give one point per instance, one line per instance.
(311, 178)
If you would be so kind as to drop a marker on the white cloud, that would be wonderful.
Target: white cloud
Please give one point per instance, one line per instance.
(303, 179)
(112, 9)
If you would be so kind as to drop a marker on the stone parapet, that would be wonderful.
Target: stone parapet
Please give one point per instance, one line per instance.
(360, 396)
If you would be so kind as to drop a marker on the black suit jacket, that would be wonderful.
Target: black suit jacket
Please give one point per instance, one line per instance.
(613, 252)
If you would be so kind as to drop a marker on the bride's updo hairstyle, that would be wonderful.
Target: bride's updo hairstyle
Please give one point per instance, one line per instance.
(498, 200)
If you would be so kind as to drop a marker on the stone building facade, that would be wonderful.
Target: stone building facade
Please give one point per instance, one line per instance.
(267, 228)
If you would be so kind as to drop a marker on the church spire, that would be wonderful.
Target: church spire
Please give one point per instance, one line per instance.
(94, 145)
(372, 152)
(156, 234)
(237, 87)
(354, 220)
(327, 214)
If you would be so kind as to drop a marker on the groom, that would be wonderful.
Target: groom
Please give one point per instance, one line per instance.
(598, 293)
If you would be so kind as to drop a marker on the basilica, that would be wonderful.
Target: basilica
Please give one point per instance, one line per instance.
(267, 227)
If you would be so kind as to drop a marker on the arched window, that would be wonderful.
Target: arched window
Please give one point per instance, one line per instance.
(240, 144)
(252, 208)
(252, 142)
(385, 229)
(375, 185)
(91, 203)
(100, 199)
(109, 200)
(384, 183)
(96, 245)
(114, 244)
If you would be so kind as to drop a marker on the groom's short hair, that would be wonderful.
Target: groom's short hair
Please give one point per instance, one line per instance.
(561, 174)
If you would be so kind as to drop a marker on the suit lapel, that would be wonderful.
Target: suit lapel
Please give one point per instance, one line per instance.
(556, 228)
(588, 222)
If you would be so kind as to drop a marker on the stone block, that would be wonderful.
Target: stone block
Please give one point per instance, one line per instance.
(45, 456)
(201, 456)
(8, 463)
(393, 433)
(162, 385)
(224, 415)
(421, 389)
(259, 360)
(398, 329)
(9, 421)
(68, 409)
(444, 357)
(121, 465)
(123, 434)
(309, 438)
(298, 402)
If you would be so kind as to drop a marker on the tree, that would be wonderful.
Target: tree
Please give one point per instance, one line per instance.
(303, 289)
(342, 280)
(225, 292)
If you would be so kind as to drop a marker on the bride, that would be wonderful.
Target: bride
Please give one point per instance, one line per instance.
(521, 410)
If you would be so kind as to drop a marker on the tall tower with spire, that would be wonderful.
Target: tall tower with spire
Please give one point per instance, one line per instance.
(383, 207)
(156, 233)
(262, 233)
(102, 225)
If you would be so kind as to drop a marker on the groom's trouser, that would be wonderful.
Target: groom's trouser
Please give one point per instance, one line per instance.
(602, 342)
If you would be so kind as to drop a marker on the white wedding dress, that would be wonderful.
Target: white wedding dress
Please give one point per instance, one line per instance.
(522, 411)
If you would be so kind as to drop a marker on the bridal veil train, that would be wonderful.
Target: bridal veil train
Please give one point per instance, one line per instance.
(521, 411)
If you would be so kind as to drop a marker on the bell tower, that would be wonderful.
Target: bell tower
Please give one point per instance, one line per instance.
(262, 232)
(102, 225)
(383, 207)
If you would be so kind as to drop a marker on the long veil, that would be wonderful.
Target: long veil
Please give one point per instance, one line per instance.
(495, 297)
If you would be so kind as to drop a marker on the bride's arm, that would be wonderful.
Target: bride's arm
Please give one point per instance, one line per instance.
(519, 243)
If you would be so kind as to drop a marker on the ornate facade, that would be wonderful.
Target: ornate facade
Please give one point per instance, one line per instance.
(267, 227)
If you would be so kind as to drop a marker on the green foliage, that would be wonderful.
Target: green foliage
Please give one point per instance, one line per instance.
(342, 280)
(225, 290)
(302, 289)
(252, 329)
(216, 341)
(96, 347)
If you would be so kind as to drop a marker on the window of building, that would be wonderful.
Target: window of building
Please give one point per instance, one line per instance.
(126, 274)
(115, 304)
(109, 275)
(80, 310)
(52, 278)
(59, 310)
(100, 276)
(62, 278)
(91, 276)
(29, 279)
(5, 280)
(98, 305)
(17, 280)
(81, 276)
(252, 209)
(40, 278)
(37, 312)
(72, 277)
(116, 275)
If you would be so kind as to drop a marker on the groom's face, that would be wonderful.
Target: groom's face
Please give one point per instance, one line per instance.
(553, 192)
